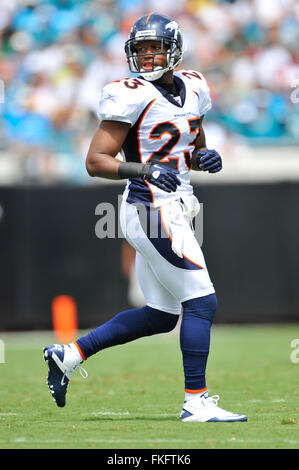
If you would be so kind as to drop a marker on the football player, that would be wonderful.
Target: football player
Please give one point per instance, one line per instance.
(155, 121)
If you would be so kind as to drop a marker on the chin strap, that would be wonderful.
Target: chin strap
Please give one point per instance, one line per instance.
(154, 75)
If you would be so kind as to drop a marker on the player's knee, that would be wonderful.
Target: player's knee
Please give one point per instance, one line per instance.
(171, 323)
(162, 321)
(203, 307)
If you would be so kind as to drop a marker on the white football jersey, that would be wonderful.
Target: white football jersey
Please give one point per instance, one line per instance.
(163, 127)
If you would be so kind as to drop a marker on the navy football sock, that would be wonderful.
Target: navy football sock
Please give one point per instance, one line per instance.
(126, 326)
(195, 332)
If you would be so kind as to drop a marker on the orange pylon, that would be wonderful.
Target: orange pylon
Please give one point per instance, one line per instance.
(64, 318)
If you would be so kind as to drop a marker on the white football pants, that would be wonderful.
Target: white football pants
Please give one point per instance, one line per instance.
(170, 264)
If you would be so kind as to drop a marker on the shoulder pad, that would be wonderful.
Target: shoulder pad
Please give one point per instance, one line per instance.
(199, 85)
(123, 100)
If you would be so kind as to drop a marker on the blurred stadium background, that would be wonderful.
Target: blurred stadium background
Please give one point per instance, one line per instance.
(56, 55)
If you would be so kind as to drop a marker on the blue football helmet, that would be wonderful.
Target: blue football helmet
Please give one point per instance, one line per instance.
(155, 27)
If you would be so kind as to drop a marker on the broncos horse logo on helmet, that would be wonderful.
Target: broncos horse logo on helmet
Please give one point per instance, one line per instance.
(155, 27)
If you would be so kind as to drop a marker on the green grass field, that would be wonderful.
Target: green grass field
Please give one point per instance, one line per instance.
(134, 393)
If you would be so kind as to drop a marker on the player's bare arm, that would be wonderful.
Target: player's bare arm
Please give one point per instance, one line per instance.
(101, 162)
(105, 145)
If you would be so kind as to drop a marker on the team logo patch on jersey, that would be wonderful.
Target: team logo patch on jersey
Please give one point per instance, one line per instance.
(107, 97)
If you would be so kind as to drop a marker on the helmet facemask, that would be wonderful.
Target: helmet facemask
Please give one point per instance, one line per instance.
(173, 55)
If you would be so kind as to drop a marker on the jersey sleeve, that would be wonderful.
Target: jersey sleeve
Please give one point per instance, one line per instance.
(205, 103)
(117, 104)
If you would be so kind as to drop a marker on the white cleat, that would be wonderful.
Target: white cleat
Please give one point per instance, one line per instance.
(205, 409)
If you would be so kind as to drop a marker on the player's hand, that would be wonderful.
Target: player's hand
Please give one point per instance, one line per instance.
(209, 160)
(162, 176)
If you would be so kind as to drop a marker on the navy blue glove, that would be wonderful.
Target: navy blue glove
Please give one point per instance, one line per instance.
(209, 160)
(162, 176)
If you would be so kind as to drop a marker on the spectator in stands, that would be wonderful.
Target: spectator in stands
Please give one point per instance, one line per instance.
(56, 55)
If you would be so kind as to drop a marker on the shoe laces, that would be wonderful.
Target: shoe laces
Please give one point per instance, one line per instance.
(212, 401)
(83, 373)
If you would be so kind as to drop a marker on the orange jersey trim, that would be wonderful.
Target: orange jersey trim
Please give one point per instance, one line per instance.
(138, 130)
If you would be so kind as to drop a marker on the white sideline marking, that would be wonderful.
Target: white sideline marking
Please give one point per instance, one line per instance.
(174, 441)
(114, 413)
(154, 407)
(278, 400)
(126, 413)
(8, 414)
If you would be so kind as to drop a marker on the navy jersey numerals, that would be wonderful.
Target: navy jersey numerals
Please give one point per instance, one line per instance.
(195, 128)
(191, 75)
(131, 83)
(162, 155)
(164, 151)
